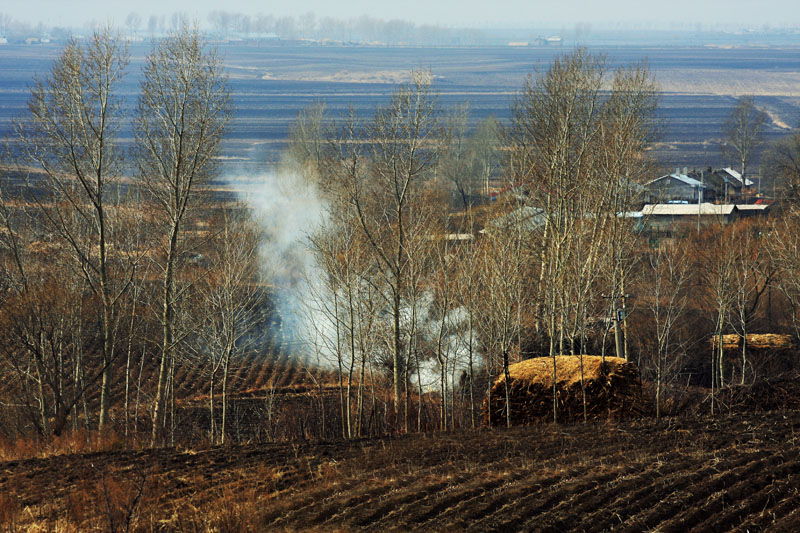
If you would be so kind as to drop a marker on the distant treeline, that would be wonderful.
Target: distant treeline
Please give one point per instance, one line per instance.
(233, 25)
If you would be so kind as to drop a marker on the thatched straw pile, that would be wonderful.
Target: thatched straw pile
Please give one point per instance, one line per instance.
(769, 355)
(613, 390)
(756, 341)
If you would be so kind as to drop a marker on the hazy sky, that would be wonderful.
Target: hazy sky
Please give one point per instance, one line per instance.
(506, 13)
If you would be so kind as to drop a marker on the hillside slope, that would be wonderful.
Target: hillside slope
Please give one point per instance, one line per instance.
(730, 473)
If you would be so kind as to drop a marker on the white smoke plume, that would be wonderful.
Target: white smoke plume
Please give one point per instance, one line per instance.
(455, 344)
(289, 209)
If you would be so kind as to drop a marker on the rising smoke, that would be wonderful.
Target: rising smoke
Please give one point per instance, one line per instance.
(289, 209)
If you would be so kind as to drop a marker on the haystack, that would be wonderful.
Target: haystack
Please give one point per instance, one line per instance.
(769, 355)
(756, 341)
(613, 390)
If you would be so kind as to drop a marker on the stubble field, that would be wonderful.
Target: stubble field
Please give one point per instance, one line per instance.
(731, 473)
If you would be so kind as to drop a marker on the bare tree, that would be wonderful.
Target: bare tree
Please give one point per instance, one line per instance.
(404, 150)
(555, 124)
(183, 111)
(664, 294)
(577, 151)
(309, 145)
(442, 305)
(783, 246)
(471, 160)
(230, 295)
(467, 295)
(502, 274)
(334, 304)
(484, 150)
(783, 161)
(43, 326)
(753, 274)
(720, 261)
(743, 132)
(628, 127)
(70, 134)
(455, 164)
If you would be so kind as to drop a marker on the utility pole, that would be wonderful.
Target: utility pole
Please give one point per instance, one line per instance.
(699, 202)
(618, 319)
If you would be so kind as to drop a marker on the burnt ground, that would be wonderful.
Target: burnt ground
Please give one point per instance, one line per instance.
(732, 473)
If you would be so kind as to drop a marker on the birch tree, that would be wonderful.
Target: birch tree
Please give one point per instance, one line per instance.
(404, 150)
(183, 111)
(665, 296)
(743, 132)
(70, 135)
(230, 295)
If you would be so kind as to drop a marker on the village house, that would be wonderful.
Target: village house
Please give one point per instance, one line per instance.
(728, 184)
(677, 187)
(723, 185)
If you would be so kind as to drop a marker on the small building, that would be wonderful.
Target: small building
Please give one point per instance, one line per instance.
(729, 185)
(753, 210)
(677, 187)
(526, 218)
(661, 220)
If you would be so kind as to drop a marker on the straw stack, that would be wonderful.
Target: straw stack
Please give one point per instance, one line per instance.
(613, 390)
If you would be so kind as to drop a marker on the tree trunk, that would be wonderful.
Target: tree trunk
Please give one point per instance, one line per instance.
(658, 389)
(397, 349)
(340, 371)
(224, 426)
(443, 393)
(507, 387)
(128, 367)
(744, 350)
(167, 318)
(360, 403)
(211, 408)
(471, 377)
(583, 391)
(348, 406)
(419, 387)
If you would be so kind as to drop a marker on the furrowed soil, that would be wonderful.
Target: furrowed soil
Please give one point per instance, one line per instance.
(730, 473)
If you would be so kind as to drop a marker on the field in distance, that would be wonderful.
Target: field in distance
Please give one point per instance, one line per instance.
(272, 82)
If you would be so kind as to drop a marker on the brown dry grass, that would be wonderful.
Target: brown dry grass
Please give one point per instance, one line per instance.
(70, 442)
(539, 370)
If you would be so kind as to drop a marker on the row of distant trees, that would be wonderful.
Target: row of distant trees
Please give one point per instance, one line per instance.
(363, 29)
(230, 24)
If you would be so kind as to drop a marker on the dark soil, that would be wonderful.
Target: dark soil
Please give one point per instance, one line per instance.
(735, 472)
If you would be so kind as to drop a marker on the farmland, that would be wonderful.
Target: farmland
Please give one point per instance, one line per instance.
(735, 472)
(363, 415)
(271, 83)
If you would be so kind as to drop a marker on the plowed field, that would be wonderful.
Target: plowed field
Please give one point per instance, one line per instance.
(739, 473)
